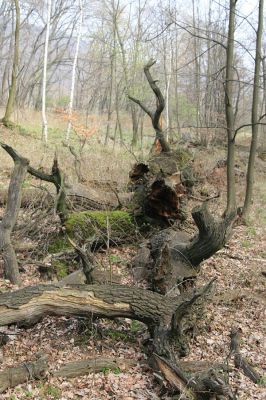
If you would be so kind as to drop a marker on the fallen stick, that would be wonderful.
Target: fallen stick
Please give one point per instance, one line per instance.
(239, 360)
(93, 365)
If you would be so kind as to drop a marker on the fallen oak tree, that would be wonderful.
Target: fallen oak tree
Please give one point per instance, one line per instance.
(167, 318)
(164, 316)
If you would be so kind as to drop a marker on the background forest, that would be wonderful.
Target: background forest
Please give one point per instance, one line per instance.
(132, 199)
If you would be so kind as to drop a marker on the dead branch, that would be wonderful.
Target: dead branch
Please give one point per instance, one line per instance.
(239, 360)
(93, 365)
(160, 104)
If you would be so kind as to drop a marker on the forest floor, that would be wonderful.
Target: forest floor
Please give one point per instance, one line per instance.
(239, 301)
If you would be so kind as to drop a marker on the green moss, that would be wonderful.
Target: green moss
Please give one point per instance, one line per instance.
(58, 245)
(61, 269)
(115, 370)
(183, 157)
(97, 223)
(135, 326)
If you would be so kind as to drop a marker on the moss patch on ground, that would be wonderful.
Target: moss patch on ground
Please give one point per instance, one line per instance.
(59, 244)
(101, 224)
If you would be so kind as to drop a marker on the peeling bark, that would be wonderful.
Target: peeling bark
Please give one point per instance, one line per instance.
(167, 318)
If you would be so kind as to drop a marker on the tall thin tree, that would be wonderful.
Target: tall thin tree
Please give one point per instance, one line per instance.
(74, 67)
(12, 89)
(254, 114)
(229, 110)
(44, 80)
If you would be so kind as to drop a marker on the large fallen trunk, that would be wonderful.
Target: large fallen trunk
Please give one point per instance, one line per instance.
(170, 258)
(167, 318)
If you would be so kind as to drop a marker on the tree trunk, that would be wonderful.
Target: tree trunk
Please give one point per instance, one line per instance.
(163, 315)
(254, 117)
(160, 104)
(10, 217)
(44, 81)
(74, 71)
(12, 89)
(230, 118)
(170, 258)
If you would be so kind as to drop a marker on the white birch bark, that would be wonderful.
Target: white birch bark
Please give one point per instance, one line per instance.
(73, 80)
(44, 81)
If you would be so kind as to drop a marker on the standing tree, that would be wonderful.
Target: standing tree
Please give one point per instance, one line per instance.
(12, 89)
(160, 104)
(10, 215)
(255, 115)
(44, 81)
(229, 109)
(74, 71)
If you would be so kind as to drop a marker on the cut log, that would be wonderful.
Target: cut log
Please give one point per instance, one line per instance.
(25, 372)
(171, 258)
(165, 317)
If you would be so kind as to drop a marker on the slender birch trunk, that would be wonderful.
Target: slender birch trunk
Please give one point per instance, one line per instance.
(44, 81)
(254, 116)
(73, 81)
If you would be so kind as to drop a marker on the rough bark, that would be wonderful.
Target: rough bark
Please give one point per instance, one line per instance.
(56, 177)
(170, 258)
(229, 111)
(10, 215)
(160, 104)
(165, 317)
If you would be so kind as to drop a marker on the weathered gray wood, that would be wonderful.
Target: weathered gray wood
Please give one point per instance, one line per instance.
(27, 371)
(10, 215)
(240, 361)
(92, 365)
(171, 257)
(163, 315)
